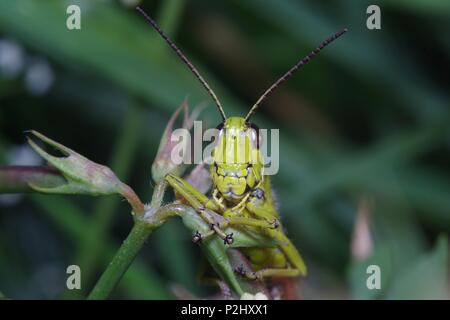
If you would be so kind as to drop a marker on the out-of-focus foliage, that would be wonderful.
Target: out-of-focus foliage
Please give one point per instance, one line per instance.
(367, 118)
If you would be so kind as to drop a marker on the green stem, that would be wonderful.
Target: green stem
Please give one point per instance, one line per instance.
(179, 266)
(170, 13)
(121, 261)
(129, 249)
(140, 281)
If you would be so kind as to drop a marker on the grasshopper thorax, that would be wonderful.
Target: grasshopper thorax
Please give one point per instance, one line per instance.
(236, 167)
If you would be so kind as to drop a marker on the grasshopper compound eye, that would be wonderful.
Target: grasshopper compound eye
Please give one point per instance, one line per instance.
(255, 136)
(220, 126)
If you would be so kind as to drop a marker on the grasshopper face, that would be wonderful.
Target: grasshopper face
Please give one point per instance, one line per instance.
(237, 167)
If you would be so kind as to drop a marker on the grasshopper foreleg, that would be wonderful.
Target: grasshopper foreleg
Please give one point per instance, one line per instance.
(251, 222)
(204, 206)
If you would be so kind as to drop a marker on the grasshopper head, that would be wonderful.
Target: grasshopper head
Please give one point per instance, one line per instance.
(237, 165)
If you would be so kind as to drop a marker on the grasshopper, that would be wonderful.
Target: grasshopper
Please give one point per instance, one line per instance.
(241, 194)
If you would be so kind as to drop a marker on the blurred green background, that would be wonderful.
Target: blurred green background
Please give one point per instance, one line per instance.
(364, 131)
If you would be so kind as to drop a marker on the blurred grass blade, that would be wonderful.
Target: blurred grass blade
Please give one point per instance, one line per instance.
(426, 278)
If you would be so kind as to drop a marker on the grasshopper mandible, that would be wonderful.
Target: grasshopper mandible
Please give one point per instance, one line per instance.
(242, 194)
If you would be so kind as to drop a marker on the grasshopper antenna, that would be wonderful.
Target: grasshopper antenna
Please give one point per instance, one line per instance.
(184, 59)
(291, 71)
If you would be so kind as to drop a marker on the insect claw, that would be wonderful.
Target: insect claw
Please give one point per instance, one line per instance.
(276, 223)
(197, 237)
(258, 193)
(254, 276)
(228, 239)
(251, 275)
(240, 270)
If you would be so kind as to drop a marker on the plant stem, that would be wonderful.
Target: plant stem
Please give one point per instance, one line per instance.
(178, 266)
(121, 261)
(89, 250)
(130, 247)
(140, 280)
